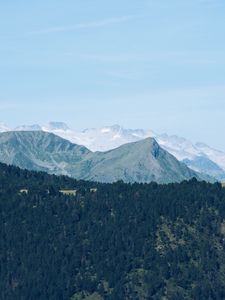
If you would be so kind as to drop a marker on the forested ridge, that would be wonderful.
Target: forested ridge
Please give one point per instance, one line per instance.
(123, 241)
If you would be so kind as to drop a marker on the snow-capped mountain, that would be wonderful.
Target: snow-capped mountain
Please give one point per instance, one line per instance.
(200, 157)
(34, 127)
(4, 128)
(99, 139)
(111, 137)
(204, 165)
(62, 130)
(60, 126)
(178, 146)
(215, 155)
(185, 150)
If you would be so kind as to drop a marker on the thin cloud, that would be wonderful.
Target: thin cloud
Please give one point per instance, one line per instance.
(178, 57)
(87, 25)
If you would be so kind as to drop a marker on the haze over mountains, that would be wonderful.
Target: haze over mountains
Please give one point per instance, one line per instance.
(199, 157)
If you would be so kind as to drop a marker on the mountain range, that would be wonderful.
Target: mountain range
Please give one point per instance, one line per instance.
(199, 156)
(142, 161)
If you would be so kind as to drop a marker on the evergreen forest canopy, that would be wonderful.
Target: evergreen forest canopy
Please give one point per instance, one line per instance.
(110, 241)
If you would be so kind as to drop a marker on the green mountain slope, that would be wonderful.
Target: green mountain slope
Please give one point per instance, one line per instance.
(143, 161)
(36, 150)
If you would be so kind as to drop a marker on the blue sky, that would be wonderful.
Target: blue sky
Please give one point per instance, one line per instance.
(155, 64)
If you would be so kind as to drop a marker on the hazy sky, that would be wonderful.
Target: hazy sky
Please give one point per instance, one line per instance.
(157, 64)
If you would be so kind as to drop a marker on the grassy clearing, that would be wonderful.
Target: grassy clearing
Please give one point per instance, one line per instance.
(69, 192)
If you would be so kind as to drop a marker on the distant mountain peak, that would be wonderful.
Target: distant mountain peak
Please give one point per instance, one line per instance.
(111, 137)
(34, 127)
(142, 161)
(57, 126)
(201, 145)
(4, 127)
(116, 127)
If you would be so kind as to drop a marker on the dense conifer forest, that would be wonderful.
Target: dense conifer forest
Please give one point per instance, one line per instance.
(110, 241)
